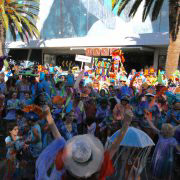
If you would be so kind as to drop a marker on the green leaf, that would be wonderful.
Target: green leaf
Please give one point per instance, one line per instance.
(6, 64)
(20, 16)
(114, 3)
(16, 22)
(5, 21)
(122, 5)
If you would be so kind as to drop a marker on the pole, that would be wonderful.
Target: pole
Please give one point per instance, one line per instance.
(82, 64)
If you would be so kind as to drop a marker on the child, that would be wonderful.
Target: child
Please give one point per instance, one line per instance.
(162, 162)
(13, 145)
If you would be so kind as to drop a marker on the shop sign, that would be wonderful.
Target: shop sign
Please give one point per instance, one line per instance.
(89, 52)
(85, 59)
(100, 51)
(104, 52)
(96, 52)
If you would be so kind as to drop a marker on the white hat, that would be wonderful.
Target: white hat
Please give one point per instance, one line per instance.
(84, 155)
(149, 94)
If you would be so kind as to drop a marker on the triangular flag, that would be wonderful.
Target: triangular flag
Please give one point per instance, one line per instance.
(6, 64)
(160, 80)
(62, 92)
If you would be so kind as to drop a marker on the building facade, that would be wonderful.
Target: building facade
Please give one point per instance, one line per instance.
(70, 27)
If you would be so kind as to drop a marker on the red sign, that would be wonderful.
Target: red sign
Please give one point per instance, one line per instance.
(104, 52)
(100, 51)
(111, 50)
(89, 52)
(96, 52)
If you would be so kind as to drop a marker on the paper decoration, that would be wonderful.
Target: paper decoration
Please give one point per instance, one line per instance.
(42, 76)
(104, 52)
(96, 52)
(89, 52)
(51, 69)
(70, 80)
(146, 72)
(151, 70)
(160, 80)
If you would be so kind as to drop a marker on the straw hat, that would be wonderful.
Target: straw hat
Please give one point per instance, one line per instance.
(84, 156)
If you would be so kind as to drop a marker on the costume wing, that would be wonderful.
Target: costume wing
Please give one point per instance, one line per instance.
(47, 158)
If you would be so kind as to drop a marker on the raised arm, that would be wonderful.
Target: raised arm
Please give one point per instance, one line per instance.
(51, 123)
(148, 116)
(115, 145)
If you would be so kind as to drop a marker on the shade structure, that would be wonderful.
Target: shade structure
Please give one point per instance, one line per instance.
(134, 138)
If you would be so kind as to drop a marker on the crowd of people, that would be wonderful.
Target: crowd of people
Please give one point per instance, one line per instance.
(40, 105)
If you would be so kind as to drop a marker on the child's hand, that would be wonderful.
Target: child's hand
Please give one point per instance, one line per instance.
(148, 115)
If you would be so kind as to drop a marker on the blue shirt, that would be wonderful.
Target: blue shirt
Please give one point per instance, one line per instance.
(17, 145)
(65, 133)
(176, 114)
(2, 87)
(35, 149)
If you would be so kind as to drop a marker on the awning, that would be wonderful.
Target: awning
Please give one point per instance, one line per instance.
(148, 39)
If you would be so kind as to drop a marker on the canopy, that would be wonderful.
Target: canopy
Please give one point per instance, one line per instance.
(134, 138)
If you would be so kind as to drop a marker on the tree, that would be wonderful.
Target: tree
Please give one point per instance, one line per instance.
(174, 23)
(19, 19)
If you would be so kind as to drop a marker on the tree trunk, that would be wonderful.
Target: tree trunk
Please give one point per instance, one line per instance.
(173, 54)
(2, 40)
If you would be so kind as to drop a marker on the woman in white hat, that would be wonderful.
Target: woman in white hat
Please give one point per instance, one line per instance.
(82, 157)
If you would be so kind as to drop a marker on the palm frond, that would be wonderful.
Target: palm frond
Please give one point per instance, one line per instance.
(12, 30)
(16, 22)
(156, 9)
(122, 5)
(135, 7)
(114, 3)
(20, 18)
(147, 7)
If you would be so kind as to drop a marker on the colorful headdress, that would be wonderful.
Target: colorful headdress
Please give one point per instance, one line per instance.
(119, 53)
(58, 100)
(31, 109)
(151, 70)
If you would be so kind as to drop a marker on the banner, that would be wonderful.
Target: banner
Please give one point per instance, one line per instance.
(85, 59)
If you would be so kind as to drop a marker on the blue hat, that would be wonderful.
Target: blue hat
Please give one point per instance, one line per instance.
(32, 116)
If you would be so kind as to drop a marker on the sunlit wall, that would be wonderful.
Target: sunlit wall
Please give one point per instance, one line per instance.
(80, 18)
